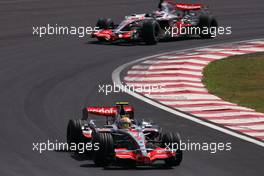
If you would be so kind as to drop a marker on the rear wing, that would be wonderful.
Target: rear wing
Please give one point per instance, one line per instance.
(188, 6)
(102, 111)
(105, 111)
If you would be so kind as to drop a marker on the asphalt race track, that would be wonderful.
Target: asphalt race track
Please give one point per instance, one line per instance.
(46, 81)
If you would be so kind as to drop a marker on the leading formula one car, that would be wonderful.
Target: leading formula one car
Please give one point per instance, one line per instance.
(141, 143)
(149, 28)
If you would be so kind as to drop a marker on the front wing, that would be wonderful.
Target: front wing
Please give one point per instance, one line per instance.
(152, 156)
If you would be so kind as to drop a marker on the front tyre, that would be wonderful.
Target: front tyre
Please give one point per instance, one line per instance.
(211, 24)
(150, 32)
(172, 139)
(105, 153)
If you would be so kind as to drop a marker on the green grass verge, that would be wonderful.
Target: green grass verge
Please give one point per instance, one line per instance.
(238, 79)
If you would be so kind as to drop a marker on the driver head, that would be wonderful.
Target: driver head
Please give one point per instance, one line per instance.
(124, 123)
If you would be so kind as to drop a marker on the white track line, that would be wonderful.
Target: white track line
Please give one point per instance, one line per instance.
(184, 96)
(252, 127)
(169, 78)
(193, 103)
(254, 49)
(217, 114)
(164, 72)
(247, 120)
(195, 61)
(255, 133)
(162, 89)
(216, 107)
(142, 84)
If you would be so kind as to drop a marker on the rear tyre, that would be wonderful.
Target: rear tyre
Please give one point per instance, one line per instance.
(150, 32)
(105, 153)
(172, 139)
(210, 23)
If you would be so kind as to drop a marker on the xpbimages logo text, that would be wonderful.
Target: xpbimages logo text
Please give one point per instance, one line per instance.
(107, 89)
(57, 30)
(56, 145)
(196, 30)
(211, 147)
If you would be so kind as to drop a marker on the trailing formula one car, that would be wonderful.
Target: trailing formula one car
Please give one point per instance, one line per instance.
(124, 140)
(181, 20)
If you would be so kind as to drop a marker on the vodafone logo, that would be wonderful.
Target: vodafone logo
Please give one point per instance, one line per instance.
(184, 6)
(102, 110)
(107, 111)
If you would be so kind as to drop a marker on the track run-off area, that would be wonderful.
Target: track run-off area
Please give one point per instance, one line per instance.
(175, 80)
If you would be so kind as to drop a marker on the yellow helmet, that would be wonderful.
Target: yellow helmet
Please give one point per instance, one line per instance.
(124, 123)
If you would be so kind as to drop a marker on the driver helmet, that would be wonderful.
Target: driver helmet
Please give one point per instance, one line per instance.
(160, 4)
(124, 122)
(166, 6)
